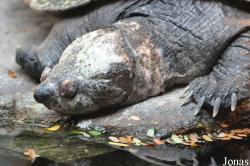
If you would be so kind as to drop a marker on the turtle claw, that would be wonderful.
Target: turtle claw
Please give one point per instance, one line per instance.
(233, 102)
(187, 98)
(199, 105)
(185, 92)
(216, 108)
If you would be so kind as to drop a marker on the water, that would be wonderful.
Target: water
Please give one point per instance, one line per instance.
(145, 156)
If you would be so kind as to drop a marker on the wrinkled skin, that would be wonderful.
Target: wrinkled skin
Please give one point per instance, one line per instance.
(150, 47)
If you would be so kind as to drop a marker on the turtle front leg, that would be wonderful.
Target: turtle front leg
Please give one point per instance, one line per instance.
(34, 59)
(229, 81)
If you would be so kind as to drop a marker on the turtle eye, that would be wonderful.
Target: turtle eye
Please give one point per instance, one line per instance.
(68, 88)
(45, 74)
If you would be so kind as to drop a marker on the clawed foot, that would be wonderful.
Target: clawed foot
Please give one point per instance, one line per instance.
(28, 60)
(209, 91)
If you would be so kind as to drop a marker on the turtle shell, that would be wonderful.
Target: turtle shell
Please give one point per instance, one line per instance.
(57, 5)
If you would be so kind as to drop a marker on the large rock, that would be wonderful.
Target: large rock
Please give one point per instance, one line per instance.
(21, 25)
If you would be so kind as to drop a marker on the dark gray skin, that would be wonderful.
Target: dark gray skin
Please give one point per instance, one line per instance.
(154, 46)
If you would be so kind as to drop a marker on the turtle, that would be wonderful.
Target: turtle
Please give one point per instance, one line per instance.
(121, 52)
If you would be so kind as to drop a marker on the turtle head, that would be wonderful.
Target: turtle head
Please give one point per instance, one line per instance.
(94, 72)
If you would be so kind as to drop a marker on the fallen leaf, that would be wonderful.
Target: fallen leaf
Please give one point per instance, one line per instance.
(156, 123)
(114, 139)
(241, 135)
(176, 139)
(186, 138)
(12, 74)
(238, 131)
(137, 142)
(207, 138)
(193, 138)
(233, 136)
(185, 143)
(221, 135)
(95, 133)
(124, 140)
(151, 133)
(53, 128)
(136, 118)
(31, 153)
(194, 145)
(170, 141)
(158, 142)
(225, 139)
(129, 139)
(118, 144)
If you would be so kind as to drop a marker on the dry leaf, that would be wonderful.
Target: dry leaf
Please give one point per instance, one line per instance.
(158, 142)
(225, 139)
(221, 135)
(136, 118)
(176, 139)
(118, 144)
(207, 138)
(124, 140)
(238, 131)
(241, 135)
(185, 143)
(193, 138)
(12, 74)
(233, 136)
(53, 128)
(114, 139)
(194, 145)
(129, 139)
(31, 153)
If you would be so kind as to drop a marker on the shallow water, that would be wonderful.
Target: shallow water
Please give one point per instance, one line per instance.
(144, 156)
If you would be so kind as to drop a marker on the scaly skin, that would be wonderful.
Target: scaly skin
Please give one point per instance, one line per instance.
(33, 60)
(154, 46)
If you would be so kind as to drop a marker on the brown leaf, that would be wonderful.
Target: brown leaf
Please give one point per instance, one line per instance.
(225, 139)
(31, 153)
(233, 136)
(118, 144)
(129, 139)
(193, 138)
(207, 138)
(238, 131)
(114, 139)
(12, 74)
(241, 135)
(194, 145)
(158, 142)
(124, 140)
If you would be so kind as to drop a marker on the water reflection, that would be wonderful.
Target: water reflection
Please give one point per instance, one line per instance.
(210, 155)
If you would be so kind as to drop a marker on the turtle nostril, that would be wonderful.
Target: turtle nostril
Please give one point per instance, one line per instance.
(43, 93)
